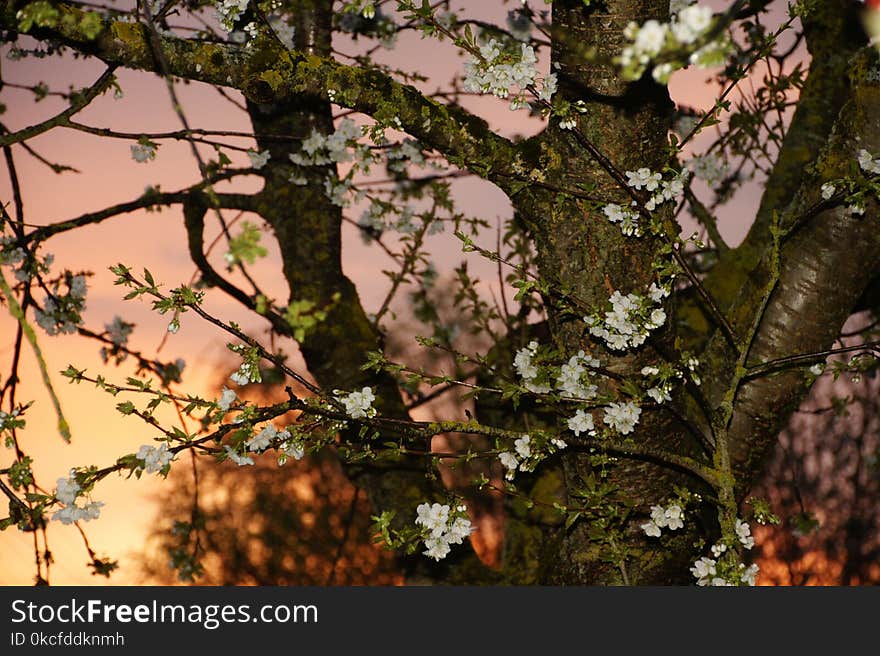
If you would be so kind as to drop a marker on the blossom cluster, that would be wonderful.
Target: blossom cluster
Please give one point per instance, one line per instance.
(258, 159)
(718, 572)
(622, 417)
(154, 459)
(573, 381)
(229, 11)
(67, 491)
(342, 145)
(442, 527)
(626, 217)
(511, 461)
(358, 405)
(61, 313)
(582, 422)
(262, 440)
(10, 251)
(143, 152)
(524, 363)
(247, 372)
(670, 518)
(286, 445)
(498, 71)
(744, 534)
(708, 572)
(709, 167)
(29, 265)
(118, 332)
(239, 459)
(319, 149)
(645, 178)
(868, 163)
(661, 382)
(631, 319)
(655, 40)
(381, 216)
(407, 152)
(227, 398)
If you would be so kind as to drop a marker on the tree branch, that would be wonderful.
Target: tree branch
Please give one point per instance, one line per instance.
(147, 200)
(78, 103)
(264, 72)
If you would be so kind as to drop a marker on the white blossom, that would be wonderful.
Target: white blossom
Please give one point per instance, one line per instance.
(289, 448)
(643, 178)
(571, 374)
(622, 417)
(319, 149)
(229, 11)
(691, 23)
(503, 73)
(582, 422)
(709, 167)
(73, 513)
(749, 574)
(670, 517)
(626, 325)
(627, 218)
(828, 190)
(660, 394)
(155, 458)
(510, 463)
(526, 368)
(358, 405)
(236, 458)
(718, 549)
(142, 153)
(262, 440)
(227, 398)
(459, 529)
(437, 548)
(674, 517)
(521, 445)
(651, 529)
(856, 209)
(868, 163)
(258, 159)
(744, 533)
(433, 517)
(704, 570)
(118, 331)
(657, 294)
(443, 527)
(651, 37)
(67, 490)
(246, 373)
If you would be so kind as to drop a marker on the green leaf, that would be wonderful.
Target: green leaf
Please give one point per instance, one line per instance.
(39, 14)
(91, 25)
(126, 407)
(245, 247)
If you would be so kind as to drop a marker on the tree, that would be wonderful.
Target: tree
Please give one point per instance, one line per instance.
(635, 389)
